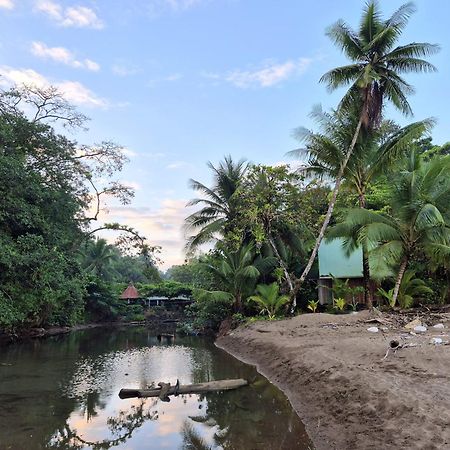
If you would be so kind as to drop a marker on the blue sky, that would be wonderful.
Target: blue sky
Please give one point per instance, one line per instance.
(181, 82)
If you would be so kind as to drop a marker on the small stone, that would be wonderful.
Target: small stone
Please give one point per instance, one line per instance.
(439, 326)
(414, 323)
(420, 329)
(372, 329)
(436, 341)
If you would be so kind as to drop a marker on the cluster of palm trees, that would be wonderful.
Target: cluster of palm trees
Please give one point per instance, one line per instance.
(354, 149)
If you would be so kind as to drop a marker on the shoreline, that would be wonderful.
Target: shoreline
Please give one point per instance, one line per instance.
(348, 395)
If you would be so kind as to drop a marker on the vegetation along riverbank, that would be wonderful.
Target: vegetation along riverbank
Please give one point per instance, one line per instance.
(330, 272)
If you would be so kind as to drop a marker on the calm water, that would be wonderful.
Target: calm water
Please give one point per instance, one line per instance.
(61, 393)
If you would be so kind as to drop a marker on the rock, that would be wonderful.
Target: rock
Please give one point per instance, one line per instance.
(439, 326)
(414, 323)
(436, 341)
(372, 329)
(420, 329)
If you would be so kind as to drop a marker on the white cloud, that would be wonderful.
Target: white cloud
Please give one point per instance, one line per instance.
(7, 4)
(157, 7)
(162, 226)
(123, 70)
(128, 152)
(72, 16)
(174, 77)
(267, 75)
(73, 91)
(169, 78)
(62, 55)
(179, 165)
(131, 184)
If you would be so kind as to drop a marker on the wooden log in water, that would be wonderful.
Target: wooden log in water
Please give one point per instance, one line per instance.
(200, 388)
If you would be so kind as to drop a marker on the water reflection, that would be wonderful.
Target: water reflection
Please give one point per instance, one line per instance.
(61, 393)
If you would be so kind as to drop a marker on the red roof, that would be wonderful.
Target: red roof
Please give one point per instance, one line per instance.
(130, 292)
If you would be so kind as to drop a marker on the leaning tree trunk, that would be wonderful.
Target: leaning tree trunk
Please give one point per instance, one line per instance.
(366, 267)
(292, 290)
(332, 202)
(398, 282)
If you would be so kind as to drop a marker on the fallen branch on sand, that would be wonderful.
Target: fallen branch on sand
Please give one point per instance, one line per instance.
(166, 389)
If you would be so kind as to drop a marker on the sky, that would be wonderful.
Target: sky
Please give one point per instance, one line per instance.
(179, 83)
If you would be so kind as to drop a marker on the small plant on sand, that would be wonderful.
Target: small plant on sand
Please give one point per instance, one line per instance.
(340, 304)
(388, 296)
(312, 305)
(269, 299)
(354, 292)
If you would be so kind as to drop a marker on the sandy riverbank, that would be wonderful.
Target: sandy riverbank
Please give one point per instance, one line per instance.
(349, 397)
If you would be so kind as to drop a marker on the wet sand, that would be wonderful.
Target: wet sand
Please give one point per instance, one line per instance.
(347, 393)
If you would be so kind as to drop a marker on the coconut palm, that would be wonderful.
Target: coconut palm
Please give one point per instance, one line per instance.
(219, 203)
(238, 272)
(269, 299)
(98, 258)
(374, 75)
(376, 150)
(418, 221)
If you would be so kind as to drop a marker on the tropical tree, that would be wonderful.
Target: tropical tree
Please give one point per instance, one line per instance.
(418, 220)
(411, 288)
(375, 152)
(269, 299)
(374, 75)
(219, 203)
(237, 273)
(99, 257)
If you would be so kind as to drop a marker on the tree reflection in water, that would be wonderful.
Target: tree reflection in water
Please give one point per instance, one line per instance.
(121, 428)
(61, 393)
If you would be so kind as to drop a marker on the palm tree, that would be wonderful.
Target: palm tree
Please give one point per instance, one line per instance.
(410, 289)
(219, 202)
(418, 221)
(269, 299)
(98, 258)
(238, 272)
(374, 75)
(375, 151)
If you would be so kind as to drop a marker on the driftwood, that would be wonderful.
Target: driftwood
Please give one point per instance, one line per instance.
(166, 389)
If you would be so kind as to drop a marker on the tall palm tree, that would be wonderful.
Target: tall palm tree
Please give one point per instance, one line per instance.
(374, 153)
(219, 203)
(418, 221)
(374, 76)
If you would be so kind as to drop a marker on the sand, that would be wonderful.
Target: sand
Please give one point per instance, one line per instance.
(347, 393)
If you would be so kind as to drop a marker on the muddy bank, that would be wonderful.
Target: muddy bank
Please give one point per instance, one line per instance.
(163, 322)
(348, 394)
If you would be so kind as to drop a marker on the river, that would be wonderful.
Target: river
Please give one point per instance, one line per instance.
(61, 392)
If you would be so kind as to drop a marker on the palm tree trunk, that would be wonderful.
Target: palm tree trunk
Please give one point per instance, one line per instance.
(292, 291)
(238, 302)
(366, 277)
(332, 202)
(398, 282)
(366, 267)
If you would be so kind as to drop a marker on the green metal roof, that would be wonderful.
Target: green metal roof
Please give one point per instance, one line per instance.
(334, 262)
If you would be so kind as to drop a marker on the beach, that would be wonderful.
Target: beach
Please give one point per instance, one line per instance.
(351, 390)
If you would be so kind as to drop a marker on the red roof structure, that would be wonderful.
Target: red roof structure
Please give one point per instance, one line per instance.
(130, 293)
